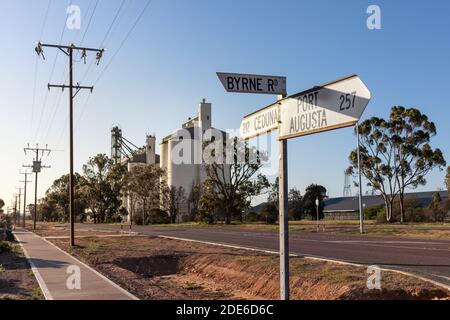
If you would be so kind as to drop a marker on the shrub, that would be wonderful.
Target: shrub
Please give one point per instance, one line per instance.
(158, 216)
(5, 246)
(372, 212)
(269, 212)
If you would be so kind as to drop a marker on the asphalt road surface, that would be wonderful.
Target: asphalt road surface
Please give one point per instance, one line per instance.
(427, 258)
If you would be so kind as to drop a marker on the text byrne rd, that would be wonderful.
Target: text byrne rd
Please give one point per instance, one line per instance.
(247, 83)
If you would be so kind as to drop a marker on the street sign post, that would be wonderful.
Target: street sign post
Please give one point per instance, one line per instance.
(335, 105)
(251, 83)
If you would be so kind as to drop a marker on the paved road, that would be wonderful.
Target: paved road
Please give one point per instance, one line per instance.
(428, 258)
(51, 267)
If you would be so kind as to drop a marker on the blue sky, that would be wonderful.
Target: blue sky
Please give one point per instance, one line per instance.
(168, 65)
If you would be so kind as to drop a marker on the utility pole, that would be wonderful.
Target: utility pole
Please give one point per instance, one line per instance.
(15, 206)
(37, 167)
(25, 182)
(68, 51)
(361, 217)
(17, 214)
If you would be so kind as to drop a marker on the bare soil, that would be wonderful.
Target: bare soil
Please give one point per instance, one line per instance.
(17, 281)
(156, 268)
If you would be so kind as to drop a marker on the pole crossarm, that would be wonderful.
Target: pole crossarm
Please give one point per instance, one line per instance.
(68, 49)
(72, 46)
(78, 88)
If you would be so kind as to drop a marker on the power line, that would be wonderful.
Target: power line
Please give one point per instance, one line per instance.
(36, 66)
(124, 40)
(112, 23)
(51, 74)
(45, 19)
(89, 22)
(116, 53)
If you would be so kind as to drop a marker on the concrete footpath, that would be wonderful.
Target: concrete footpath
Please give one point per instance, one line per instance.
(56, 271)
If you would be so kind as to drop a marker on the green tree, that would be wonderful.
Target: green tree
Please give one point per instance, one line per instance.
(396, 154)
(55, 205)
(295, 204)
(175, 198)
(437, 207)
(274, 194)
(2, 204)
(312, 193)
(102, 186)
(378, 163)
(447, 180)
(147, 183)
(410, 134)
(233, 178)
(269, 212)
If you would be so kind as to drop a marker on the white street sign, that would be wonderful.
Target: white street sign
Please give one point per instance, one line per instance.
(250, 83)
(335, 105)
(260, 122)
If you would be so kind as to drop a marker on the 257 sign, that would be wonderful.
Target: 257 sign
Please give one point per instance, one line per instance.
(347, 101)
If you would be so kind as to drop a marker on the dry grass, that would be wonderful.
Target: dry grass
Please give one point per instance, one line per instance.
(17, 282)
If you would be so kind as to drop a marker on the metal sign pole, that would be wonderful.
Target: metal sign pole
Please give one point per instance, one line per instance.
(361, 218)
(283, 220)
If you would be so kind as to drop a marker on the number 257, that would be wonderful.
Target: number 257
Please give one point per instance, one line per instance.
(347, 101)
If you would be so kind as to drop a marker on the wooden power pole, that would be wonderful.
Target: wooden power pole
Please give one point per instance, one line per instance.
(25, 183)
(37, 167)
(68, 51)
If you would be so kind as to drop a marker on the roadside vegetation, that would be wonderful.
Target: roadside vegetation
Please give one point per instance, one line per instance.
(17, 281)
(396, 155)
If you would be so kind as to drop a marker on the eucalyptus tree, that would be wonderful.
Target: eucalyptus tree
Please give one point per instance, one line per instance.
(234, 178)
(395, 154)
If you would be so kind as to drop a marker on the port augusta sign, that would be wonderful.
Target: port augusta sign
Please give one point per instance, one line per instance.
(335, 105)
(338, 104)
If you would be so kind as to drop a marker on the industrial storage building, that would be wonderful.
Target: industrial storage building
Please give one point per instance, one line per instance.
(181, 153)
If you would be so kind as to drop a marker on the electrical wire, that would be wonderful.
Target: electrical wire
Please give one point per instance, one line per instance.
(114, 55)
(33, 104)
(50, 78)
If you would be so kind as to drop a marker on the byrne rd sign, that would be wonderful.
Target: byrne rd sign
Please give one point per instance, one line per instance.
(250, 83)
(338, 104)
(260, 122)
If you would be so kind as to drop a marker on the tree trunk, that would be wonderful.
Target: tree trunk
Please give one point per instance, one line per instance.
(402, 207)
(388, 204)
(143, 212)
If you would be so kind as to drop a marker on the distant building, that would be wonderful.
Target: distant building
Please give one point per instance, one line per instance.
(347, 208)
(181, 154)
(187, 170)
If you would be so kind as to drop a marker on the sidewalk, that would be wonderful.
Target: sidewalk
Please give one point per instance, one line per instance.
(50, 265)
